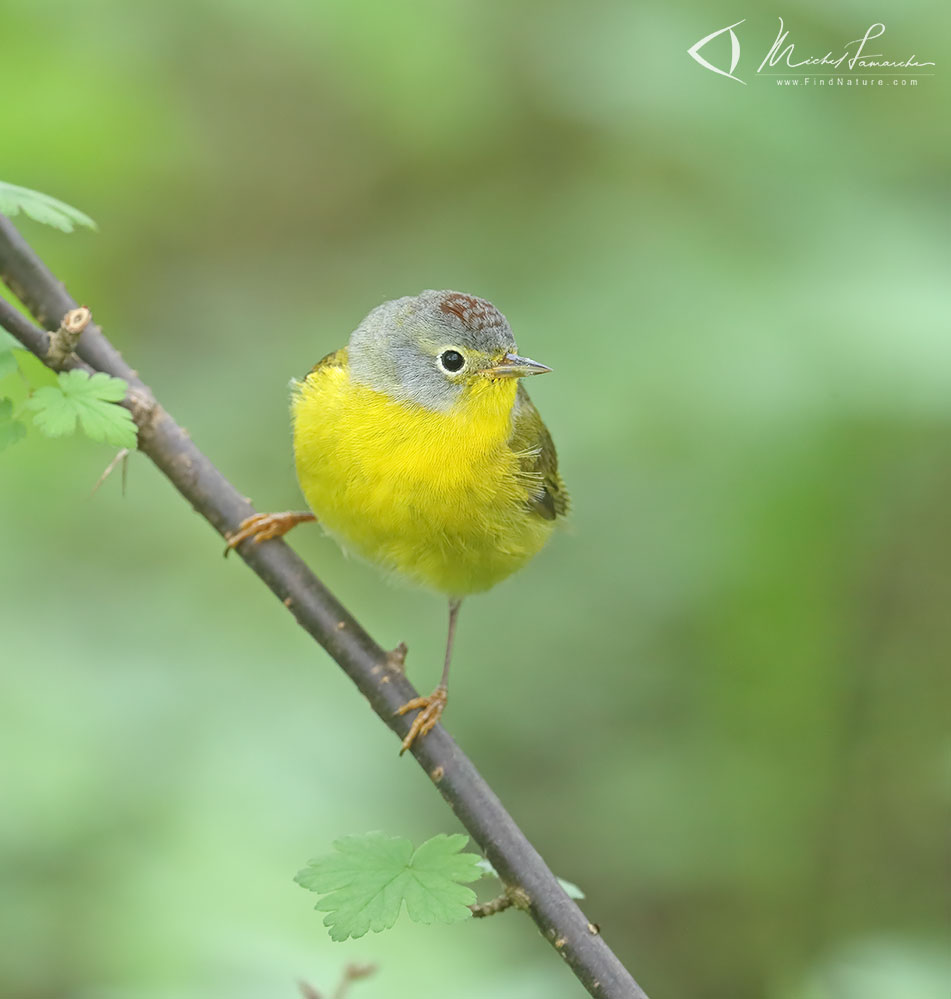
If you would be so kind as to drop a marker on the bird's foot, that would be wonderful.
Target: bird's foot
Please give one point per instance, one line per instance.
(430, 708)
(396, 658)
(265, 526)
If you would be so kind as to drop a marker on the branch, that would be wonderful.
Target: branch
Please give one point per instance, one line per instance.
(316, 609)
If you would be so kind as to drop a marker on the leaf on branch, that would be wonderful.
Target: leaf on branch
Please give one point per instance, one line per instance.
(89, 399)
(8, 363)
(41, 208)
(11, 430)
(367, 880)
(569, 887)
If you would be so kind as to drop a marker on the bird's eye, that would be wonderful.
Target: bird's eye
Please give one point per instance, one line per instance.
(451, 360)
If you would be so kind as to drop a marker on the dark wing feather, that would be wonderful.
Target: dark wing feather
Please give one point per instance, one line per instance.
(532, 442)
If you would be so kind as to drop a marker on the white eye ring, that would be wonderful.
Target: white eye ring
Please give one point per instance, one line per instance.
(452, 360)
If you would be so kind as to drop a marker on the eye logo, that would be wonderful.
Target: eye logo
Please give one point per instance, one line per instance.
(694, 52)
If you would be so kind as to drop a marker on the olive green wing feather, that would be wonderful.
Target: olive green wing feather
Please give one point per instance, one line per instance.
(536, 452)
(335, 359)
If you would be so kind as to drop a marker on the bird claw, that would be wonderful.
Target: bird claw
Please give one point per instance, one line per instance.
(264, 527)
(430, 709)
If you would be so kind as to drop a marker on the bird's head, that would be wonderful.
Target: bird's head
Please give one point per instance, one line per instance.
(434, 348)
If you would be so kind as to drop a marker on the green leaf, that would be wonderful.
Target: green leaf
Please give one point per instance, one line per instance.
(55, 414)
(8, 363)
(570, 889)
(367, 880)
(41, 208)
(11, 430)
(89, 399)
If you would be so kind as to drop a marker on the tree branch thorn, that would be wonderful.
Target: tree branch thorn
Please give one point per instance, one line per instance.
(396, 658)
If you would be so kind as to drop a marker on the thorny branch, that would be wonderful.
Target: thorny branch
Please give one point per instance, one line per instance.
(474, 803)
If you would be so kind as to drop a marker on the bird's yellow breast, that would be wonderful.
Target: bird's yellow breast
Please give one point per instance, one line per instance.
(439, 497)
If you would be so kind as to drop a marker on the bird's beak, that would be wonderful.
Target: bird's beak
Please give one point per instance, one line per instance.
(513, 366)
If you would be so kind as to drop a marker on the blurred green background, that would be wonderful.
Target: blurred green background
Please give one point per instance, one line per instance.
(724, 718)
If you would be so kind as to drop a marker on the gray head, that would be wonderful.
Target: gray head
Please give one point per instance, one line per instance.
(426, 349)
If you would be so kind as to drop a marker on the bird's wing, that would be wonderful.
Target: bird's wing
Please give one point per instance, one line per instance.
(335, 359)
(532, 443)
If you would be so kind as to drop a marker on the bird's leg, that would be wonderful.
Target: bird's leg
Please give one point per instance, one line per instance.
(265, 526)
(430, 708)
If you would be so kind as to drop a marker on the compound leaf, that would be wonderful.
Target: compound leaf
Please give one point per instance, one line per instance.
(89, 399)
(54, 415)
(367, 880)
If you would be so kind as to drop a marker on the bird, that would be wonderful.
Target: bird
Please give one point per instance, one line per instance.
(418, 449)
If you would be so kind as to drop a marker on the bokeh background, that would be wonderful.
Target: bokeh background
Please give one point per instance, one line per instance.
(716, 701)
